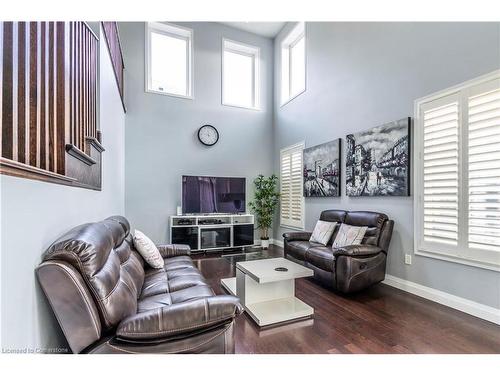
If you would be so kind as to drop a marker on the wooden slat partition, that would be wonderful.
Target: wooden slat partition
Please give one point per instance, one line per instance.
(83, 90)
(33, 96)
(7, 91)
(21, 97)
(49, 94)
(43, 101)
(115, 50)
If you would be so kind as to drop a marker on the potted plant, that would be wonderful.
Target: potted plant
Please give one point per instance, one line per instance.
(265, 201)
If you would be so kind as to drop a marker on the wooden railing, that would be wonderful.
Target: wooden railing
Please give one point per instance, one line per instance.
(83, 50)
(49, 97)
(115, 51)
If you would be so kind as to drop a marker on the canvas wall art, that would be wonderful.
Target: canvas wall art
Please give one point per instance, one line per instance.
(322, 170)
(378, 161)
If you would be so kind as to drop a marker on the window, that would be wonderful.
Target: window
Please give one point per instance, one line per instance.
(292, 197)
(240, 73)
(457, 173)
(169, 59)
(293, 64)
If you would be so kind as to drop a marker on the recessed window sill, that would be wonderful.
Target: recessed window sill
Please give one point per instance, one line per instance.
(240, 106)
(149, 91)
(453, 259)
(292, 227)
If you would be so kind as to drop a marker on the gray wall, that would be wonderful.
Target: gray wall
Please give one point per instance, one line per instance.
(161, 135)
(35, 213)
(360, 75)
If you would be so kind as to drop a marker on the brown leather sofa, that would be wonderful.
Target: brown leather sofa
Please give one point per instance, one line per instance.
(347, 269)
(107, 301)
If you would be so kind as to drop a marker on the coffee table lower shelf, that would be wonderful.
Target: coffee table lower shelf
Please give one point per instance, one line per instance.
(273, 311)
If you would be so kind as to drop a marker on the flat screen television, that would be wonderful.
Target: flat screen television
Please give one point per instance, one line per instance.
(208, 195)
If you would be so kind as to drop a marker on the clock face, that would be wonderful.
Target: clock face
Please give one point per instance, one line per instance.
(208, 135)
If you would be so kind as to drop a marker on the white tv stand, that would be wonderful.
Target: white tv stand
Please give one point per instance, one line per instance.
(214, 232)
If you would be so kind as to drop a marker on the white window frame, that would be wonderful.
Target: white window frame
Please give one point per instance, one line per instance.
(292, 38)
(288, 149)
(461, 253)
(249, 51)
(173, 31)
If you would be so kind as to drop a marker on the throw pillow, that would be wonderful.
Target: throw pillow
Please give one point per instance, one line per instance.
(323, 231)
(148, 250)
(349, 235)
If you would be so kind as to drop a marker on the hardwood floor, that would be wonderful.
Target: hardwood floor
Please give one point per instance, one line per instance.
(380, 320)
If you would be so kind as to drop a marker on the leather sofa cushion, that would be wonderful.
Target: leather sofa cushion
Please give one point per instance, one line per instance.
(174, 250)
(191, 293)
(357, 250)
(179, 318)
(298, 249)
(297, 236)
(114, 278)
(373, 220)
(185, 281)
(154, 302)
(321, 257)
(177, 274)
(333, 215)
(371, 237)
(365, 218)
(179, 281)
(155, 282)
(167, 299)
(179, 262)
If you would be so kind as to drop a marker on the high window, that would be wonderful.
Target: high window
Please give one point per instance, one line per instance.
(240, 75)
(169, 55)
(293, 64)
(457, 173)
(291, 187)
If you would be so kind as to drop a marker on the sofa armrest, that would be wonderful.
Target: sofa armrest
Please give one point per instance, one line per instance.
(357, 250)
(179, 318)
(169, 251)
(297, 236)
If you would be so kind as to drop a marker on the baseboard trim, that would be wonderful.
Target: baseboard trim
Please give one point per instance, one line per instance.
(272, 241)
(279, 243)
(479, 310)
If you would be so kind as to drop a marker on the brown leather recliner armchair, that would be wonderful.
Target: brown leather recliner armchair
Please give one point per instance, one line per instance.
(107, 301)
(350, 268)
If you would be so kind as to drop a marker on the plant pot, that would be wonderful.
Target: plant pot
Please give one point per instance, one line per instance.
(264, 243)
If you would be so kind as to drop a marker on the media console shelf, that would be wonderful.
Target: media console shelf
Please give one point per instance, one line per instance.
(212, 232)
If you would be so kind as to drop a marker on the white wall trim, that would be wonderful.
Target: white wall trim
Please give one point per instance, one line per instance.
(467, 306)
(272, 241)
(279, 243)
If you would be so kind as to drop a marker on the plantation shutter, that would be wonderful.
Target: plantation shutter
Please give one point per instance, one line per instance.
(440, 172)
(484, 169)
(292, 201)
(457, 210)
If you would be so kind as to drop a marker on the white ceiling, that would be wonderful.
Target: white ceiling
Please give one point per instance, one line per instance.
(267, 29)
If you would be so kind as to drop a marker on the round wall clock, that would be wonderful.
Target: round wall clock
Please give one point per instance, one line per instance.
(208, 135)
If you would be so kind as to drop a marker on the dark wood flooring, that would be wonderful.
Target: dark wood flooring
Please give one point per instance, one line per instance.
(380, 320)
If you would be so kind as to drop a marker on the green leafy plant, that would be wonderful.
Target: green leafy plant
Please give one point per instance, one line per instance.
(265, 201)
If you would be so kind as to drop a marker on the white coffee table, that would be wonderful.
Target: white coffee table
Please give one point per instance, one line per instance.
(269, 295)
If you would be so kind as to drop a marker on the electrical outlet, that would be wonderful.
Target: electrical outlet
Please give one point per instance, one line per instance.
(407, 258)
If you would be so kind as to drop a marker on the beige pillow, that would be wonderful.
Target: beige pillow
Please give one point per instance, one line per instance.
(323, 231)
(148, 249)
(349, 235)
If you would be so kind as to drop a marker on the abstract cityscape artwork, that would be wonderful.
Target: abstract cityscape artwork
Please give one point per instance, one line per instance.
(378, 161)
(322, 170)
